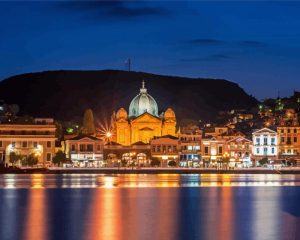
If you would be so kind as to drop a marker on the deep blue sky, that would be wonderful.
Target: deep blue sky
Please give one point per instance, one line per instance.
(256, 44)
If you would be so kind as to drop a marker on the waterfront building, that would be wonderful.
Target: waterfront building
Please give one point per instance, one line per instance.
(143, 122)
(190, 147)
(265, 144)
(84, 151)
(137, 154)
(289, 136)
(165, 148)
(37, 138)
(239, 151)
(212, 150)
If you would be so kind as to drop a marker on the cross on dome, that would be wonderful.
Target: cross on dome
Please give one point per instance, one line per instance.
(143, 89)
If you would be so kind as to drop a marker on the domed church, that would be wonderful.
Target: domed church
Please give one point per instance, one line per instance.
(143, 121)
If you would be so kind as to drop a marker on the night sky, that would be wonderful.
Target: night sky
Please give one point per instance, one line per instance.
(256, 44)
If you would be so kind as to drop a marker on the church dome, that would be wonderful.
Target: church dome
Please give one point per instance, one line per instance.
(142, 103)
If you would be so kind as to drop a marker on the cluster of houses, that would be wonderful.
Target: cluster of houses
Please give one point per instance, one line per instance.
(192, 147)
(143, 137)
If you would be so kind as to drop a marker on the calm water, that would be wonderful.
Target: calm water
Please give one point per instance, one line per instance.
(167, 206)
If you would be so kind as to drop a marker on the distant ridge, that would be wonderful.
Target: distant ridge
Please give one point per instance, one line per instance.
(65, 94)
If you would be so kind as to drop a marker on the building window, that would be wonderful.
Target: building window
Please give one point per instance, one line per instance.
(257, 141)
(82, 148)
(24, 144)
(0, 143)
(153, 148)
(48, 144)
(273, 150)
(174, 148)
(169, 148)
(48, 157)
(35, 144)
(265, 141)
(282, 131)
(265, 151)
(288, 140)
(206, 150)
(13, 144)
(158, 148)
(220, 150)
(289, 130)
(164, 149)
(282, 139)
(90, 147)
(295, 130)
(98, 147)
(257, 150)
(272, 141)
(295, 139)
(73, 148)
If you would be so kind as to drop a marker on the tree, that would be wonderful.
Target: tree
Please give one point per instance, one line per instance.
(263, 161)
(291, 162)
(123, 162)
(88, 123)
(14, 158)
(59, 130)
(225, 161)
(60, 157)
(30, 160)
(155, 162)
(172, 163)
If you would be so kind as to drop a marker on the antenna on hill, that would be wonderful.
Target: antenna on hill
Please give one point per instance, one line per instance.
(128, 63)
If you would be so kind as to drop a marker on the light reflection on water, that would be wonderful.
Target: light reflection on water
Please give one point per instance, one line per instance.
(149, 207)
(10, 181)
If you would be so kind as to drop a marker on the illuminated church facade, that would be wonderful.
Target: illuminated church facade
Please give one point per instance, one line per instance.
(142, 122)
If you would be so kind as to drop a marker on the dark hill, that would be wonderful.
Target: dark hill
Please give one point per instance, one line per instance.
(65, 95)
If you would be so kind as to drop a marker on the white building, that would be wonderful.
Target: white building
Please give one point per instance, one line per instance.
(265, 144)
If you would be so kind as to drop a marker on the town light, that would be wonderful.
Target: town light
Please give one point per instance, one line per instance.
(108, 134)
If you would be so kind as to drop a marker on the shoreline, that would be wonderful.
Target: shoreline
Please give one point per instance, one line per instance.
(147, 171)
